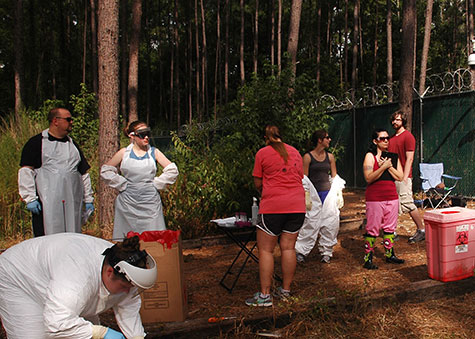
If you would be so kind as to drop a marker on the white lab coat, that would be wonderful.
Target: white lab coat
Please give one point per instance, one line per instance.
(51, 287)
(323, 220)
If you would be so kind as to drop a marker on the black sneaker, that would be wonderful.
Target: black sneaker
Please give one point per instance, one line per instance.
(417, 237)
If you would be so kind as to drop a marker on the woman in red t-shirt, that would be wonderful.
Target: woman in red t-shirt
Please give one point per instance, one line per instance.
(278, 173)
(382, 202)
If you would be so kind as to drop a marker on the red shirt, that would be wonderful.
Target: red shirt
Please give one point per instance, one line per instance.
(381, 190)
(402, 143)
(282, 190)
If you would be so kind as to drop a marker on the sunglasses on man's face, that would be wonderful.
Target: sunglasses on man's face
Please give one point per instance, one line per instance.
(142, 133)
(68, 119)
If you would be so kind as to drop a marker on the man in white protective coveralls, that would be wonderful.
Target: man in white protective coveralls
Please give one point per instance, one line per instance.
(53, 179)
(56, 286)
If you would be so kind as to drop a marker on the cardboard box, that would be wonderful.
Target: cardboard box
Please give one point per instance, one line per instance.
(166, 300)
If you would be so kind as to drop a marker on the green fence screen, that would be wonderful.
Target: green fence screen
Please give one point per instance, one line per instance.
(444, 127)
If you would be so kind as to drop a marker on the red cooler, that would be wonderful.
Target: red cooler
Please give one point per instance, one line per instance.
(450, 243)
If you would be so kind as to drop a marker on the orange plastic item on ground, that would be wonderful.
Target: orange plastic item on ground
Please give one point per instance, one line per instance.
(450, 243)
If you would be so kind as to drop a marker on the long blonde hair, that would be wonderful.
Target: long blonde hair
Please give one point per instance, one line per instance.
(273, 139)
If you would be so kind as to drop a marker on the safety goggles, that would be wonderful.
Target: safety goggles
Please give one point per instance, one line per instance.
(142, 133)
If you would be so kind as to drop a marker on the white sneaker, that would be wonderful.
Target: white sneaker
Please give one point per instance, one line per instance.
(300, 258)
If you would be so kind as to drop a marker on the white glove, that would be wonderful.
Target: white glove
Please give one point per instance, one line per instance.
(88, 193)
(98, 332)
(27, 184)
(168, 177)
(111, 177)
(308, 201)
(339, 199)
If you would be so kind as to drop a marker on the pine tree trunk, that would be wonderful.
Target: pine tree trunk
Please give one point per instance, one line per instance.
(471, 37)
(389, 57)
(226, 54)
(375, 48)
(328, 30)
(84, 44)
(360, 31)
(272, 36)
(197, 66)
(133, 85)
(177, 71)
(218, 55)
(124, 52)
(172, 79)
(148, 66)
(319, 40)
(294, 33)
(241, 47)
(279, 38)
(345, 47)
(94, 46)
(406, 80)
(108, 56)
(354, 72)
(425, 47)
(256, 36)
(18, 58)
(204, 62)
(189, 56)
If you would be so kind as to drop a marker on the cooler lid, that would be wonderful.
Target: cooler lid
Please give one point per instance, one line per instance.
(451, 214)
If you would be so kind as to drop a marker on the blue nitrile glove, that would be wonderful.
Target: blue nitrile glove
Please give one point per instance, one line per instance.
(112, 334)
(34, 207)
(89, 206)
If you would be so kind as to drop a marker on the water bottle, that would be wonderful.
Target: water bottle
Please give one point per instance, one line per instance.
(254, 211)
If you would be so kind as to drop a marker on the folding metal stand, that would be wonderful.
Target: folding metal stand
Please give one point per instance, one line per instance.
(231, 232)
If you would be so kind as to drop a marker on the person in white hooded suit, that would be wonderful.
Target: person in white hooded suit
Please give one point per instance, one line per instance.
(55, 286)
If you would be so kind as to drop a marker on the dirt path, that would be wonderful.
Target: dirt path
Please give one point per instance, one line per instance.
(345, 275)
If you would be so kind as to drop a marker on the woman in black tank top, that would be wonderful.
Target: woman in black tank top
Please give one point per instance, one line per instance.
(318, 164)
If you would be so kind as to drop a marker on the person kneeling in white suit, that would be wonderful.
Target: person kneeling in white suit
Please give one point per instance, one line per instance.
(56, 286)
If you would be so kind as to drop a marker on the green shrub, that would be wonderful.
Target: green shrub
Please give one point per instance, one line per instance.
(216, 161)
(14, 133)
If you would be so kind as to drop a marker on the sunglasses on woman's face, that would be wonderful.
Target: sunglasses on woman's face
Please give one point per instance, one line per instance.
(383, 139)
(142, 133)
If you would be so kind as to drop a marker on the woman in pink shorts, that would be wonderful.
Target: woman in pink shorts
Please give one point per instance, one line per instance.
(382, 204)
